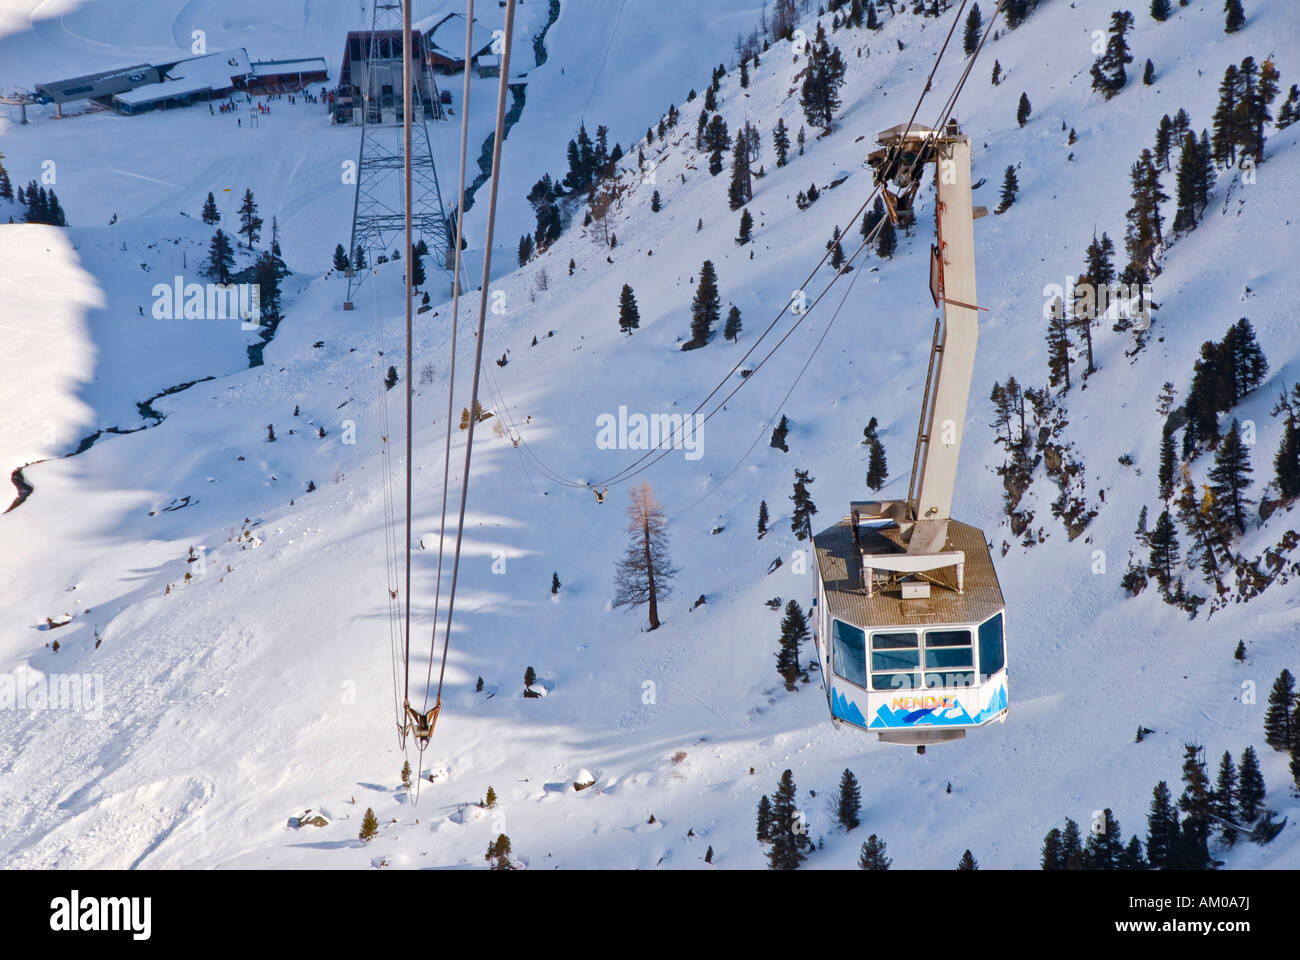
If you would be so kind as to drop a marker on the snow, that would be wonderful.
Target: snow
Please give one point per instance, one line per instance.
(266, 680)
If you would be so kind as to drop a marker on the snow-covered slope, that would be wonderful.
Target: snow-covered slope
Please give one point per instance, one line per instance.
(263, 685)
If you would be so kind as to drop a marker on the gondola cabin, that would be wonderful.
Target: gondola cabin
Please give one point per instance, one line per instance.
(911, 625)
(910, 651)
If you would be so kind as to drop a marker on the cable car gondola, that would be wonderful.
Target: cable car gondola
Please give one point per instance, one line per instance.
(910, 624)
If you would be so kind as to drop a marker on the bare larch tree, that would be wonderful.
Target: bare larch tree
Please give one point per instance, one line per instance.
(644, 575)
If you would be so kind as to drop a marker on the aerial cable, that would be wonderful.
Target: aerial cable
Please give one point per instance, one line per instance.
(455, 322)
(502, 90)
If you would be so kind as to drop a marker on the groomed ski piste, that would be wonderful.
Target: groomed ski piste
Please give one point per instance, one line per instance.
(263, 686)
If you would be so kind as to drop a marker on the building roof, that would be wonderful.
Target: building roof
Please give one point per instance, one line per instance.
(97, 84)
(840, 566)
(276, 68)
(215, 71)
(447, 36)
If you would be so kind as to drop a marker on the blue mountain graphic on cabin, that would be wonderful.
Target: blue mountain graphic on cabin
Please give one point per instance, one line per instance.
(846, 709)
(886, 716)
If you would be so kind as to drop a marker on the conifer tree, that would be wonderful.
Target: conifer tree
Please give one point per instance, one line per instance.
(1224, 805)
(1278, 731)
(1250, 786)
(706, 306)
(764, 826)
(1051, 858)
(1149, 74)
(849, 808)
(250, 224)
(1287, 461)
(629, 317)
(1226, 122)
(1234, 18)
(358, 258)
(1108, 75)
(220, 257)
(781, 142)
(1189, 172)
(1132, 858)
(555, 582)
(1229, 479)
(974, 24)
(1071, 847)
(1162, 828)
(1197, 805)
(787, 850)
(1023, 110)
(1164, 549)
(762, 518)
(1144, 218)
(210, 214)
(836, 250)
(877, 466)
(1010, 186)
(525, 248)
(794, 630)
(967, 862)
(1164, 141)
(746, 228)
(369, 826)
(872, 855)
(887, 240)
(1105, 844)
(741, 189)
(341, 262)
(406, 774)
(1161, 10)
(804, 508)
(1058, 346)
(731, 329)
(1168, 462)
(819, 95)
(716, 141)
(997, 73)
(7, 187)
(779, 433)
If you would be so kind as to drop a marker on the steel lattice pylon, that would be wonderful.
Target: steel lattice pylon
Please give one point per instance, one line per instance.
(377, 212)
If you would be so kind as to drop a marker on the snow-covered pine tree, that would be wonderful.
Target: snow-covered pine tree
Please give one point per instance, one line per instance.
(762, 519)
(1250, 786)
(1278, 731)
(763, 827)
(210, 214)
(1164, 550)
(1161, 10)
(967, 862)
(877, 466)
(341, 262)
